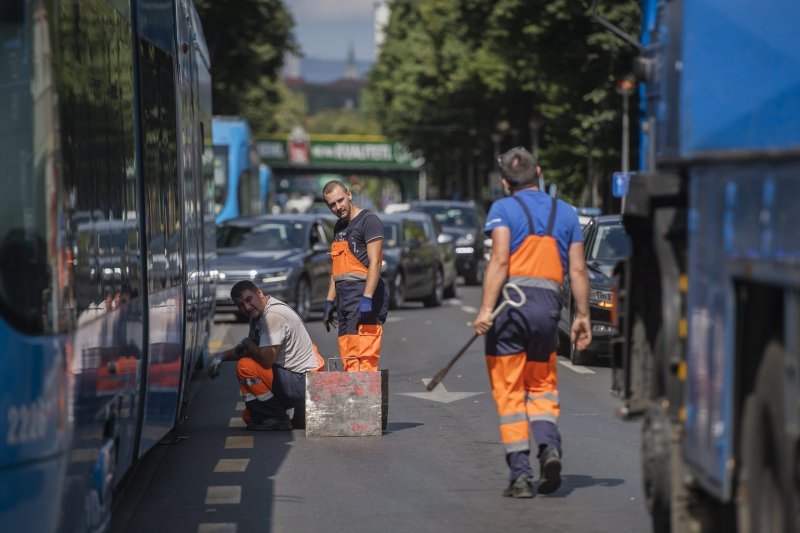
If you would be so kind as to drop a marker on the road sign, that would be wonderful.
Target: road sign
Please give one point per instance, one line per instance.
(619, 184)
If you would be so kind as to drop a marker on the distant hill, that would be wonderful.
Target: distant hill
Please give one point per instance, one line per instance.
(327, 70)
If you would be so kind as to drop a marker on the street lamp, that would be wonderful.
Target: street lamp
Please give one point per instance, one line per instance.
(625, 88)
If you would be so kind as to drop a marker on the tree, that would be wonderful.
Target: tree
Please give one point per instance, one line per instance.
(462, 79)
(247, 40)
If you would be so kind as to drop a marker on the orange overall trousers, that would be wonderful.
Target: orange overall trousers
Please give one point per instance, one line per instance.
(520, 349)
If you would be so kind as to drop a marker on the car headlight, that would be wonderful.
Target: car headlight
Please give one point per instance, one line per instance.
(600, 298)
(275, 277)
(466, 240)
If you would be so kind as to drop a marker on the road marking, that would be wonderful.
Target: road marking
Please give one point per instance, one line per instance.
(239, 406)
(214, 345)
(237, 422)
(231, 465)
(577, 369)
(216, 528)
(394, 319)
(469, 309)
(238, 442)
(223, 494)
(439, 394)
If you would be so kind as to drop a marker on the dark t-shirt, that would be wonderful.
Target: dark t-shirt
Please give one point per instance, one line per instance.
(364, 228)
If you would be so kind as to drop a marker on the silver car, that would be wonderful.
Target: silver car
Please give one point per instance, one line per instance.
(286, 255)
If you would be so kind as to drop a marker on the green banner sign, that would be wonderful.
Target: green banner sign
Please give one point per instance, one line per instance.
(303, 150)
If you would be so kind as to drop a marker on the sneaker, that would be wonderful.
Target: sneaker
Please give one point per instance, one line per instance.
(270, 424)
(519, 488)
(549, 470)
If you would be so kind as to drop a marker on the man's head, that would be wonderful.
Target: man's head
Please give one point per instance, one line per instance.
(248, 298)
(518, 168)
(338, 199)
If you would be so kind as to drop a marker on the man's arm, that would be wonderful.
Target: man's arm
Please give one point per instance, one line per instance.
(375, 254)
(581, 331)
(331, 290)
(265, 355)
(494, 278)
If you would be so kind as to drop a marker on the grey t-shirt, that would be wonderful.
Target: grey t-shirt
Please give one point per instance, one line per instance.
(280, 326)
(364, 228)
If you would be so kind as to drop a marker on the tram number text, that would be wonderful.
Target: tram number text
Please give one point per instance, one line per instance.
(27, 423)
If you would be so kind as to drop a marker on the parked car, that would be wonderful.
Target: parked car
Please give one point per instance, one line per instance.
(446, 244)
(605, 243)
(464, 222)
(412, 262)
(286, 255)
(585, 214)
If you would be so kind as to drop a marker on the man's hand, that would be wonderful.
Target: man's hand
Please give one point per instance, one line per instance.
(213, 367)
(329, 315)
(581, 332)
(364, 308)
(483, 321)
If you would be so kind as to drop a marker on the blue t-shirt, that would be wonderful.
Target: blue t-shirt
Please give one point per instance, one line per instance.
(507, 212)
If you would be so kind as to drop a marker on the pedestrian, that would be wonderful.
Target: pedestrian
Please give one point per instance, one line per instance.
(535, 240)
(356, 294)
(271, 362)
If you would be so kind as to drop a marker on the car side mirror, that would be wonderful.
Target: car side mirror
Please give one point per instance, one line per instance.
(444, 238)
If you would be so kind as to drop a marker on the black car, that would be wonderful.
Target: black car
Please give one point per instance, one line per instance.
(285, 255)
(464, 222)
(447, 251)
(605, 243)
(412, 262)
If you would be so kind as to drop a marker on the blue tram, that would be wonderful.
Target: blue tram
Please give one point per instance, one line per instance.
(107, 246)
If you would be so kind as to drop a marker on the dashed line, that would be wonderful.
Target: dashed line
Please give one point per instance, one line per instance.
(240, 406)
(216, 528)
(213, 345)
(577, 369)
(236, 422)
(469, 309)
(224, 495)
(239, 441)
(232, 465)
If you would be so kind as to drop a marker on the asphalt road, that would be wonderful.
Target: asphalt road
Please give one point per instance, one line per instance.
(439, 467)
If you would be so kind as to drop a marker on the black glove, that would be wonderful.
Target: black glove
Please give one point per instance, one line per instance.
(213, 367)
(329, 315)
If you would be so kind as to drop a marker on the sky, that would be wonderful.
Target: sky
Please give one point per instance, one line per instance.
(327, 28)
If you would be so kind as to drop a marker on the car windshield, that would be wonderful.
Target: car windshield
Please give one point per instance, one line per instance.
(277, 235)
(459, 217)
(610, 244)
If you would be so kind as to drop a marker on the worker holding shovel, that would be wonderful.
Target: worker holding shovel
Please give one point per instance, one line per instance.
(535, 239)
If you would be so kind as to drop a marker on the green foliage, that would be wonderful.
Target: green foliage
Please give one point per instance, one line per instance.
(461, 79)
(247, 40)
(343, 122)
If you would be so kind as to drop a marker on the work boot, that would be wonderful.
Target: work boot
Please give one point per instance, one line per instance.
(519, 488)
(270, 424)
(549, 470)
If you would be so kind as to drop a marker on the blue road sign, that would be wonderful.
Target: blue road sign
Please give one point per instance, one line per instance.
(619, 185)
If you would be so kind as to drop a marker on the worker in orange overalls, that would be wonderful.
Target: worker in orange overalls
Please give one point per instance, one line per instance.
(271, 362)
(357, 294)
(535, 239)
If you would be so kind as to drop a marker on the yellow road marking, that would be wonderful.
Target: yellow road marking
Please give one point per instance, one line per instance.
(223, 494)
(216, 528)
(236, 422)
(239, 441)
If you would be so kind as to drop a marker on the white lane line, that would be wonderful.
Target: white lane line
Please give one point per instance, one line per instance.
(469, 309)
(231, 465)
(391, 318)
(223, 494)
(216, 528)
(236, 422)
(238, 442)
(239, 406)
(577, 369)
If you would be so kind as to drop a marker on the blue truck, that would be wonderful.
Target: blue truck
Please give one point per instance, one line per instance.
(709, 300)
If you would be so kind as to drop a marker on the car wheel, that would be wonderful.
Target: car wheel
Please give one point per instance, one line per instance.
(475, 277)
(398, 291)
(303, 299)
(436, 297)
(450, 291)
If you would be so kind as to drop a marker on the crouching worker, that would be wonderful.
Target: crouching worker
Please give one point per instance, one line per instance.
(271, 362)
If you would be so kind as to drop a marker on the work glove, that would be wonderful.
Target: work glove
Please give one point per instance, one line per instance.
(213, 367)
(329, 315)
(365, 308)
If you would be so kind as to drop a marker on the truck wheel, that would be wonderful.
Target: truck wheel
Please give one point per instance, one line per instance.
(656, 465)
(767, 492)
